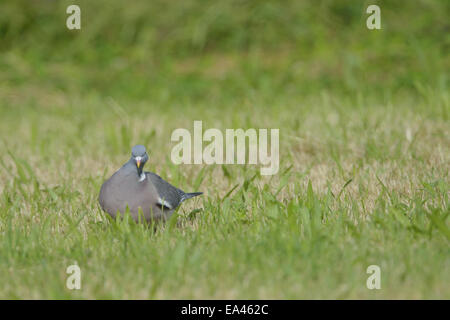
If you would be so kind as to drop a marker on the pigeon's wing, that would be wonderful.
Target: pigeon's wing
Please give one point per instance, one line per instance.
(169, 196)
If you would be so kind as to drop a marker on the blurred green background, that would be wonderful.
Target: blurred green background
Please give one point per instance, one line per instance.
(211, 51)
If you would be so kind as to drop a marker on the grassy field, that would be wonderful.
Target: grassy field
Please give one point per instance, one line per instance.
(364, 148)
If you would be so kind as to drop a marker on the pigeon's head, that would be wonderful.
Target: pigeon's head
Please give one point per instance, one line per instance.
(139, 156)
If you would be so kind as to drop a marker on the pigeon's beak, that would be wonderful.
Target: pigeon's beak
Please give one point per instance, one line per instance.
(138, 162)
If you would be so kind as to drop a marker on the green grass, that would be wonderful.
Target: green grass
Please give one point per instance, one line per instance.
(364, 149)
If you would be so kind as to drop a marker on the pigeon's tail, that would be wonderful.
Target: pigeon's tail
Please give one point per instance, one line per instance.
(186, 196)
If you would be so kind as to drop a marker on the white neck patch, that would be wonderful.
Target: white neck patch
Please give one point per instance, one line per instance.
(142, 177)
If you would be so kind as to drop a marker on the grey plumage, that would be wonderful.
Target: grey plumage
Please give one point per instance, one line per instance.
(140, 191)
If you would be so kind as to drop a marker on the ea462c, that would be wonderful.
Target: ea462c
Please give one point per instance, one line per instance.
(246, 309)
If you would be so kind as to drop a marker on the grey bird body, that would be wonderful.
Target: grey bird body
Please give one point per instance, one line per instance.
(144, 192)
